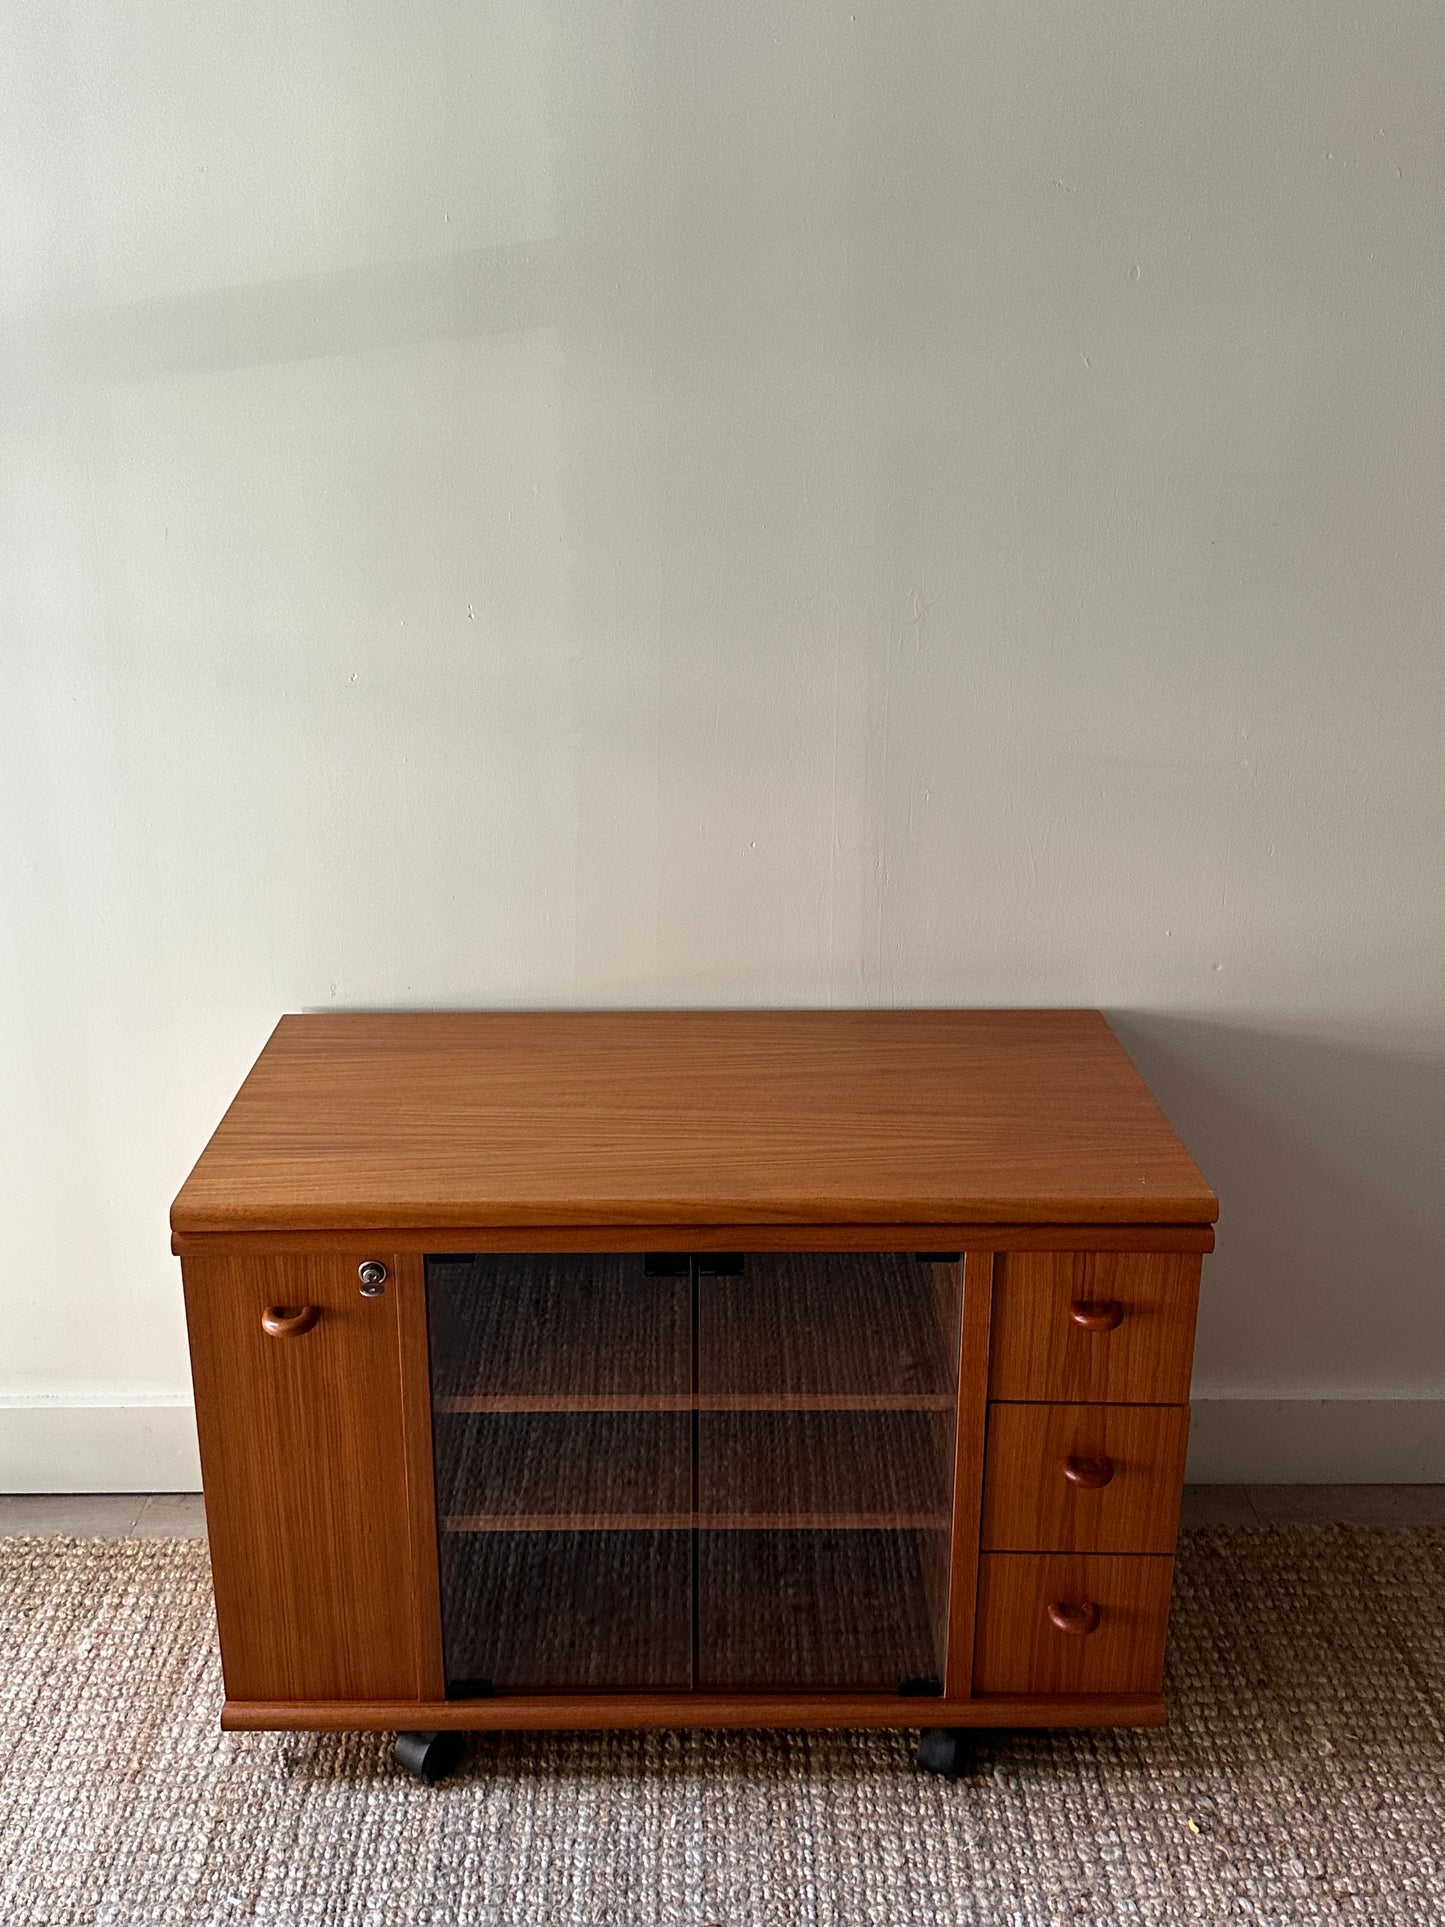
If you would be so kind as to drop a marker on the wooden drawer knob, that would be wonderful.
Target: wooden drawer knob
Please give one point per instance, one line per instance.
(280, 1321)
(1097, 1318)
(1080, 1618)
(1089, 1473)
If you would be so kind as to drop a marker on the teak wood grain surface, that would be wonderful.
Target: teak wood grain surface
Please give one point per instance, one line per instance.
(1042, 1350)
(1023, 1140)
(1084, 1478)
(560, 1712)
(303, 1455)
(369, 1121)
(1019, 1649)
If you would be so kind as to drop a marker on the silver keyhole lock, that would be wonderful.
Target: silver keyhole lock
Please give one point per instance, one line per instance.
(373, 1278)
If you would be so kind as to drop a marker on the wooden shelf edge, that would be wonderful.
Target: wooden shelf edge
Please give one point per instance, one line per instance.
(772, 1235)
(701, 1521)
(566, 1402)
(613, 1711)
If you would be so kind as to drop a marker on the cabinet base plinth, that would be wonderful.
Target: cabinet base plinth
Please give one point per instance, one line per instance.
(599, 1712)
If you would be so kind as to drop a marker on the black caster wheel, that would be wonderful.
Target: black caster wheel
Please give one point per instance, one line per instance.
(429, 1755)
(944, 1750)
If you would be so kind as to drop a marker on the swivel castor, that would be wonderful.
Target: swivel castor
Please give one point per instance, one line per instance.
(429, 1755)
(944, 1750)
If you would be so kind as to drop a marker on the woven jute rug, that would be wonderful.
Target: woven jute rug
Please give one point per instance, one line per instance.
(1302, 1778)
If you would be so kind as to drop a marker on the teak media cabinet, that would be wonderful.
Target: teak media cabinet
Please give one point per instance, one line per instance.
(692, 1368)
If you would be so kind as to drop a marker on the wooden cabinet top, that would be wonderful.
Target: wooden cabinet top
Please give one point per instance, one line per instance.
(377, 1120)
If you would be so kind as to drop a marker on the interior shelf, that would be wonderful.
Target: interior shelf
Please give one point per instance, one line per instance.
(697, 1402)
(757, 1471)
(802, 1611)
(792, 1332)
(685, 1521)
(850, 1327)
(548, 1471)
(536, 1333)
(814, 1611)
(821, 1470)
(567, 1611)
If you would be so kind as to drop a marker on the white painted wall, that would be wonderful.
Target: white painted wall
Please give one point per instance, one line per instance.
(800, 502)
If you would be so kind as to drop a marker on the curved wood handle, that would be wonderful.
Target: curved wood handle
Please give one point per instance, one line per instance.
(279, 1321)
(1089, 1473)
(1097, 1318)
(1080, 1618)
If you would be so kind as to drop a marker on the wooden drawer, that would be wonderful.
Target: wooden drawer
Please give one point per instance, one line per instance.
(1096, 1327)
(1020, 1649)
(1083, 1478)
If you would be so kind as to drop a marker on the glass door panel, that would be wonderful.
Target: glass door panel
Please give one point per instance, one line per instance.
(815, 1611)
(562, 1428)
(826, 1395)
(724, 1472)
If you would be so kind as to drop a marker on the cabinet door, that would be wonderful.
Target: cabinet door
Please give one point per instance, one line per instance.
(562, 1431)
(302, 1451)
(727, 1472)
(827, 1386)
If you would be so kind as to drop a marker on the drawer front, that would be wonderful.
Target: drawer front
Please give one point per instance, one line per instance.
(1099, 1327)
(1071, 1623)
(1084, 1478)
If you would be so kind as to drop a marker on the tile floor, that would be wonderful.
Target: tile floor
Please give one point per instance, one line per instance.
(181, 1515)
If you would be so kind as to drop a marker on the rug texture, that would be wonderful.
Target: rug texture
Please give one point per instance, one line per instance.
(1302, 1778)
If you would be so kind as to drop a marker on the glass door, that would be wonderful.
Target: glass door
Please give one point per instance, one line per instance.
(827, 1393)
(562, 1436)
(730, 1472)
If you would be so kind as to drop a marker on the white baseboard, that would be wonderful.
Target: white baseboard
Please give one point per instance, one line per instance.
(149, 1445)
(1317, 1441)
(98, 1445)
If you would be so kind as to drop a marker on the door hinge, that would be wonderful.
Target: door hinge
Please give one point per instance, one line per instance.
(469, 1689)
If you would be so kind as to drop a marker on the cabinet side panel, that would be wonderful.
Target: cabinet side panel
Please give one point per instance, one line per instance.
(304, 1465)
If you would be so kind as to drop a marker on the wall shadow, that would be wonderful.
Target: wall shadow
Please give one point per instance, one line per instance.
(1328, 1155)
(381, 305)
